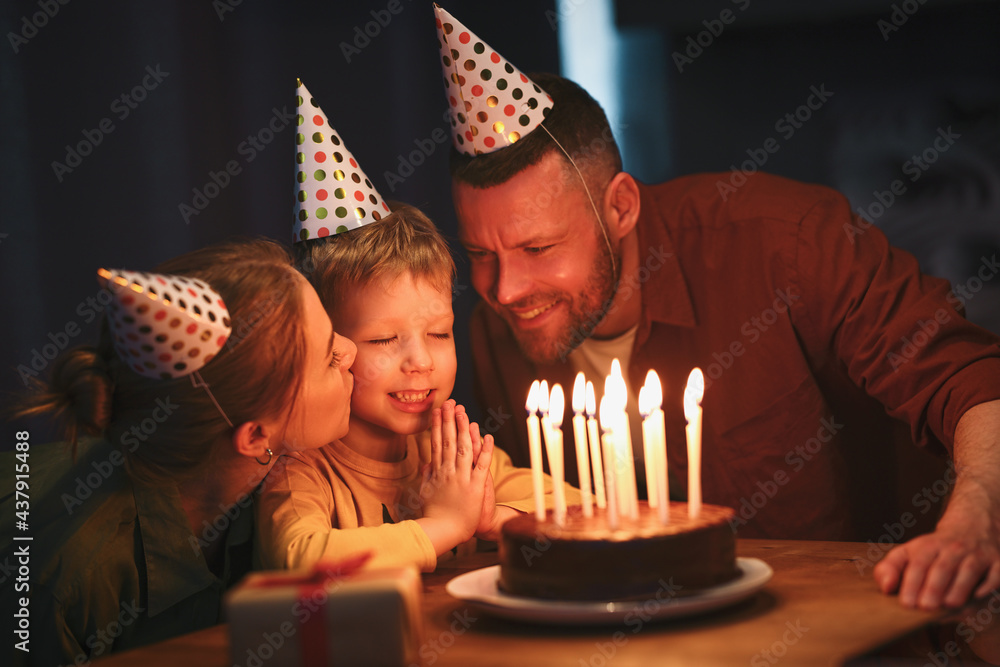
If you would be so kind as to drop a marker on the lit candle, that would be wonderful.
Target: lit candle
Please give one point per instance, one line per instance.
(554, 445)
(580, 439)
(535, 449)
(543, 397)
(595, 446)
(648, 447)
(628, 493)
(693, 392)
(608, 445)
(654, 430)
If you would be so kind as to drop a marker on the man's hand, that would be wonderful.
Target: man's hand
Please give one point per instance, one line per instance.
(961, 558)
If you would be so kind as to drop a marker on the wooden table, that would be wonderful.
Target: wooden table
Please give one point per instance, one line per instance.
(818, 609)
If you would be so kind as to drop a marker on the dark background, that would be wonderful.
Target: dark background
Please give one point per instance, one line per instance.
(230, 67)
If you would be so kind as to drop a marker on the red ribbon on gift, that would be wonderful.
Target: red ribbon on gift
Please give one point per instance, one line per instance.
(313, 631)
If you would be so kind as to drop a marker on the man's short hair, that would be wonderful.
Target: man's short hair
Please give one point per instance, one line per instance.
(576, 120)
(404, 241)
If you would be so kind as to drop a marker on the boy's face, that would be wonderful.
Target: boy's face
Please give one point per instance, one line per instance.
(405, 363)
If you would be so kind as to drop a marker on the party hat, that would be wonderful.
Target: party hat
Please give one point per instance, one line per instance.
(492, 103)
(334, 195)
(164, 326)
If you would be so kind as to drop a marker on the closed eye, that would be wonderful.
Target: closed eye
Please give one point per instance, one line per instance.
(335, 359)
(382, 341)
(536, 250)
(441, 336)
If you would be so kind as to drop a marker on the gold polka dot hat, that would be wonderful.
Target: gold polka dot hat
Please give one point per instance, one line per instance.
(334, 195)
(492, 103)
(164, 326)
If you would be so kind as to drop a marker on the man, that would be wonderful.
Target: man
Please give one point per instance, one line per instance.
(808, 336)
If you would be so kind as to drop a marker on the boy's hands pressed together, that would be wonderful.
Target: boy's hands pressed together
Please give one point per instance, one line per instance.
(454, 487)
(493, 516)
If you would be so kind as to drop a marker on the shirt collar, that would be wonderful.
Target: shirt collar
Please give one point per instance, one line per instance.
(175, 566)
(670, 301)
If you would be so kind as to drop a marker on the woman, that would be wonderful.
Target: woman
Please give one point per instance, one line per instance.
(139, 530)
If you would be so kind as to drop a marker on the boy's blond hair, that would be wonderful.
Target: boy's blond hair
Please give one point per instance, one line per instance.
(404, 241)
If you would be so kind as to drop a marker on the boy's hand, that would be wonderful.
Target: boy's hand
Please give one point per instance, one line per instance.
(455, 483)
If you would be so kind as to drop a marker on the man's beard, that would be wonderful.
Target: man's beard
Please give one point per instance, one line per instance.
(586, 312)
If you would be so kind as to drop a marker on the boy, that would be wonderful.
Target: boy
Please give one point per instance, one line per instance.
(388, 287)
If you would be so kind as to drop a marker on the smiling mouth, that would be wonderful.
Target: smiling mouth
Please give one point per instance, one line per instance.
(533, 313)
(411, 396)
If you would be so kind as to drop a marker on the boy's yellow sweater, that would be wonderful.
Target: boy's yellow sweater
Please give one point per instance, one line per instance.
(332, 503)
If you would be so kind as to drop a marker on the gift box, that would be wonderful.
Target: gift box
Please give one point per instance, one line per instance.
(334, 614)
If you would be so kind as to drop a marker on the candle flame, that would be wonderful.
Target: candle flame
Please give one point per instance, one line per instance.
(531, 405)
(557, 405)
(579, 392)
(615, 385)
(654, 390)
(606, 410)
(615, 392)
(543, 397)
(693, 393)
(591, 400)
(644, 407)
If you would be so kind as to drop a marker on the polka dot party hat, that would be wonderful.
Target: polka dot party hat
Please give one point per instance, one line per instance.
(334, 195)
(164, 326)
(492, 103)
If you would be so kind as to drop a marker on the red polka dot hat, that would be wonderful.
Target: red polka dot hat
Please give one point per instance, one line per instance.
(164, 326)
(334, 195)
(492, 103)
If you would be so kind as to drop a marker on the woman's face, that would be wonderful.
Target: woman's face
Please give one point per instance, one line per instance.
(323, 408)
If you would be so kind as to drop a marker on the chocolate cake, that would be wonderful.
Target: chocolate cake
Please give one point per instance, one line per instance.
(585, 560)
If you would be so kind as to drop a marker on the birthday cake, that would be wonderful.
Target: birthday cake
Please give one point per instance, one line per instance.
(585, 560)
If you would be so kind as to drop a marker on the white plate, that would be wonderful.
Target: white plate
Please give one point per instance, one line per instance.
(479, 588)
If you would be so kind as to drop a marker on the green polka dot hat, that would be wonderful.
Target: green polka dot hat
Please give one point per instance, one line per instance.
(333, 194)
(492, 103)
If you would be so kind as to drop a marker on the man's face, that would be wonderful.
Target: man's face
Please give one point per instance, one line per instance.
(538, 257)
